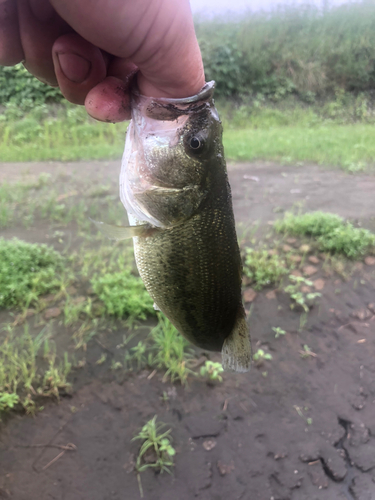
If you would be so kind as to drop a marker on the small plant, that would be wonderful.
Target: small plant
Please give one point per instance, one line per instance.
(26, 272)
(309, 224)
(156, 451)
(260, 356)
(300, 298)
(123, 294)
(116, 365)
(138, 353)
(300, 410)
(86, 331)
(278, 331)
(349, 241)
(101, 360)
(264, 269)
(333, 233)
(21, 377)
(169, 350)
(307, 352)
(55, 378)
(74, 309)
(212, 371)
(8, 400)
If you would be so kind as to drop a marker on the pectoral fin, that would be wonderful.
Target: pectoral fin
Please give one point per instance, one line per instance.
(236, 351)
(122, 232)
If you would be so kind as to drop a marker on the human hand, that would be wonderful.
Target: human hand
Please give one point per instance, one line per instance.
(91, 49)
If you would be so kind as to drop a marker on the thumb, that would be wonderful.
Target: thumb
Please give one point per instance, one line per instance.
(156, 35)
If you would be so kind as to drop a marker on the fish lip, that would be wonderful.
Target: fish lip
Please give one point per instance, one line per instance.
(204, 94)
(167, 109)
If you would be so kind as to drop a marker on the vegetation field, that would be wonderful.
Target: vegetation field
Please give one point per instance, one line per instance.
(293, 85)
(80, 341)
(287, 133)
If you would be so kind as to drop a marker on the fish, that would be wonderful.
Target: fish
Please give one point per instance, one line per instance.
(175, 189)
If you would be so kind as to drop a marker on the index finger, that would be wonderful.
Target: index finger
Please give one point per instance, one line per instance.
(11, 51)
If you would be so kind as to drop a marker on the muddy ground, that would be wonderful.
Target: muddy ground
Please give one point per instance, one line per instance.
(295, 428)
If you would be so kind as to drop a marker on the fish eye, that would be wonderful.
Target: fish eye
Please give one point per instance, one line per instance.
(196, 144)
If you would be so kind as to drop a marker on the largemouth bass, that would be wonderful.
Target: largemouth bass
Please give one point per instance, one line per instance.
(175, 189)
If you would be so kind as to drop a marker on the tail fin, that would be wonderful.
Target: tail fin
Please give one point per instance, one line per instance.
(236, 351)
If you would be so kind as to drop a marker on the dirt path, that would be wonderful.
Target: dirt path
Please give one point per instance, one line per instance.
(299, 427)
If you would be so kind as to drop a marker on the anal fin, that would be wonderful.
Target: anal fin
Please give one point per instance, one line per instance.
(236, 351)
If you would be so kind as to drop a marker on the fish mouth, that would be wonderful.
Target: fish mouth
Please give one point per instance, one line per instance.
(163, 108)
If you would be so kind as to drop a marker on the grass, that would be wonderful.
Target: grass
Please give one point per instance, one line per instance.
(333, 234)
(123, 295)
(263, 268)
(64, 133)
(156, 446)
(310, 224)
(29, 369)
(159, 442)
(26, 272)
(42, 200)
(303, 299)
(112, 275)
(289, 133)
(278, 331)
(211, 371)
(164, 349)
(260, 356)
(350, 147)
(170, 351)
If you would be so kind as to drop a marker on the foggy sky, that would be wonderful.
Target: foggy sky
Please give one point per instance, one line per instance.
(220, 6)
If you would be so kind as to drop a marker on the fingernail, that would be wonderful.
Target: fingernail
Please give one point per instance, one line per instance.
(75, 67)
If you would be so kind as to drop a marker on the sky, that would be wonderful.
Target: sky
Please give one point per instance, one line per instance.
(220, 6)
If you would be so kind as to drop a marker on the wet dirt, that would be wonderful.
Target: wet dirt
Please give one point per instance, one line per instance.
(298, 427)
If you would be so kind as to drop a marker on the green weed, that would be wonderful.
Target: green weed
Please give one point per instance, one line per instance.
(278, 331)
(156, 446)
(8, 401)
(347, 240)
(137, 354)
(55, 377)
(212, 370)
(300, 298)
(260, 356)
(263, 268)
(333, 234)
(101, 360)
(86, 331)
(170, 351)
(310, 224)
(76, 309)
(123, 295)
(307, 352)
(23, 374)
(26, 272)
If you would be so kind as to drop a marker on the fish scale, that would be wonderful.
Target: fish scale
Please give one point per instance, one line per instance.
(192, 273)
